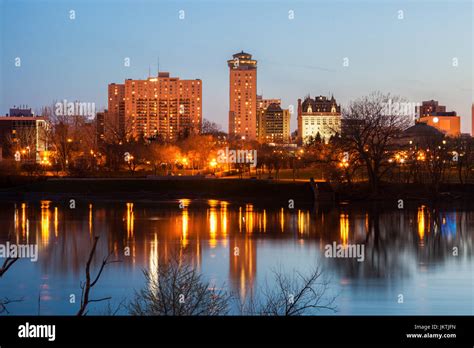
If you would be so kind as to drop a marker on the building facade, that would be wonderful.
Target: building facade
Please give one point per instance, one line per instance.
(435, 115)
(115, 121)
(25, 137)
(319, 115)
(262, 105)
(242, 96)
(159, 107)
(274, 125)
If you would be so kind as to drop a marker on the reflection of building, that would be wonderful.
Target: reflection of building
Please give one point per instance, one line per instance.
(162, 106)
(448, 224)
(435, 115)
(243, 96)
(319, 115)
(25, 135)
(243, 263)
(274, 124)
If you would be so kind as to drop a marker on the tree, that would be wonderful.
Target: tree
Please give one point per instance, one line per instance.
(210, 128)
(9, 261)
(436, 163)
(369, 130)
(292, 294)
(163, 156)
(175, 288)
(87, 286)
(463, 156)
(317, 139)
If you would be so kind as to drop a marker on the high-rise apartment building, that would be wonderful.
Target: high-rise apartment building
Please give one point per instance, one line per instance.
(243, 96)
(262, 105)
(115, 121)
(159, 107)
(274, 125)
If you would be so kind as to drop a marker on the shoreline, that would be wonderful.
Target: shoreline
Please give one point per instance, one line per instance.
(271, 192)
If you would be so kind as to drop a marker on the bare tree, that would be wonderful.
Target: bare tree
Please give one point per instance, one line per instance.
(369, 129)
(175, 288)
(290, 294)
(463, 151)
(9, 261)
(436, 163)
(24, 141)
(211, 128)
(89, 283)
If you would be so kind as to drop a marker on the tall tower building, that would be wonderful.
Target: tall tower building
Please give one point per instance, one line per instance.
(243, 96)
(115, 120)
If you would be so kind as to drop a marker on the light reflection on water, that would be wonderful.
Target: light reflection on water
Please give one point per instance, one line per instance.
(407, 251)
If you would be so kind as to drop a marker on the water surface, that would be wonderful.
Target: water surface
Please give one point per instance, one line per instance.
(422, 253)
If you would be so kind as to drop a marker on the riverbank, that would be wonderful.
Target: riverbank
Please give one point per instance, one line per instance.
(266, 191)
(273, 192)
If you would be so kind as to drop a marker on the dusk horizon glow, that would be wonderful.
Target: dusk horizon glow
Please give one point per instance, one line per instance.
(77, 59)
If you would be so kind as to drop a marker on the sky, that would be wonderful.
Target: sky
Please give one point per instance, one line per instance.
(405, 48)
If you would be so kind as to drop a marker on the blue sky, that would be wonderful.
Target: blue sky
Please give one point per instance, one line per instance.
(76, 59)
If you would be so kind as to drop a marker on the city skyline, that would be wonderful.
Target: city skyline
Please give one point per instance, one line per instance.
(299, 57)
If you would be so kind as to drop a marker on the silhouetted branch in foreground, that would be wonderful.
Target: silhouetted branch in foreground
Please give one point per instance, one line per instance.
(175, 288)
(9, 261)
(4, 302)
(89, 283)
(291, 294)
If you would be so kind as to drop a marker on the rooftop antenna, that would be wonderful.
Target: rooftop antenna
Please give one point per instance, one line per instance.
(149, 73)
(158, 65)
